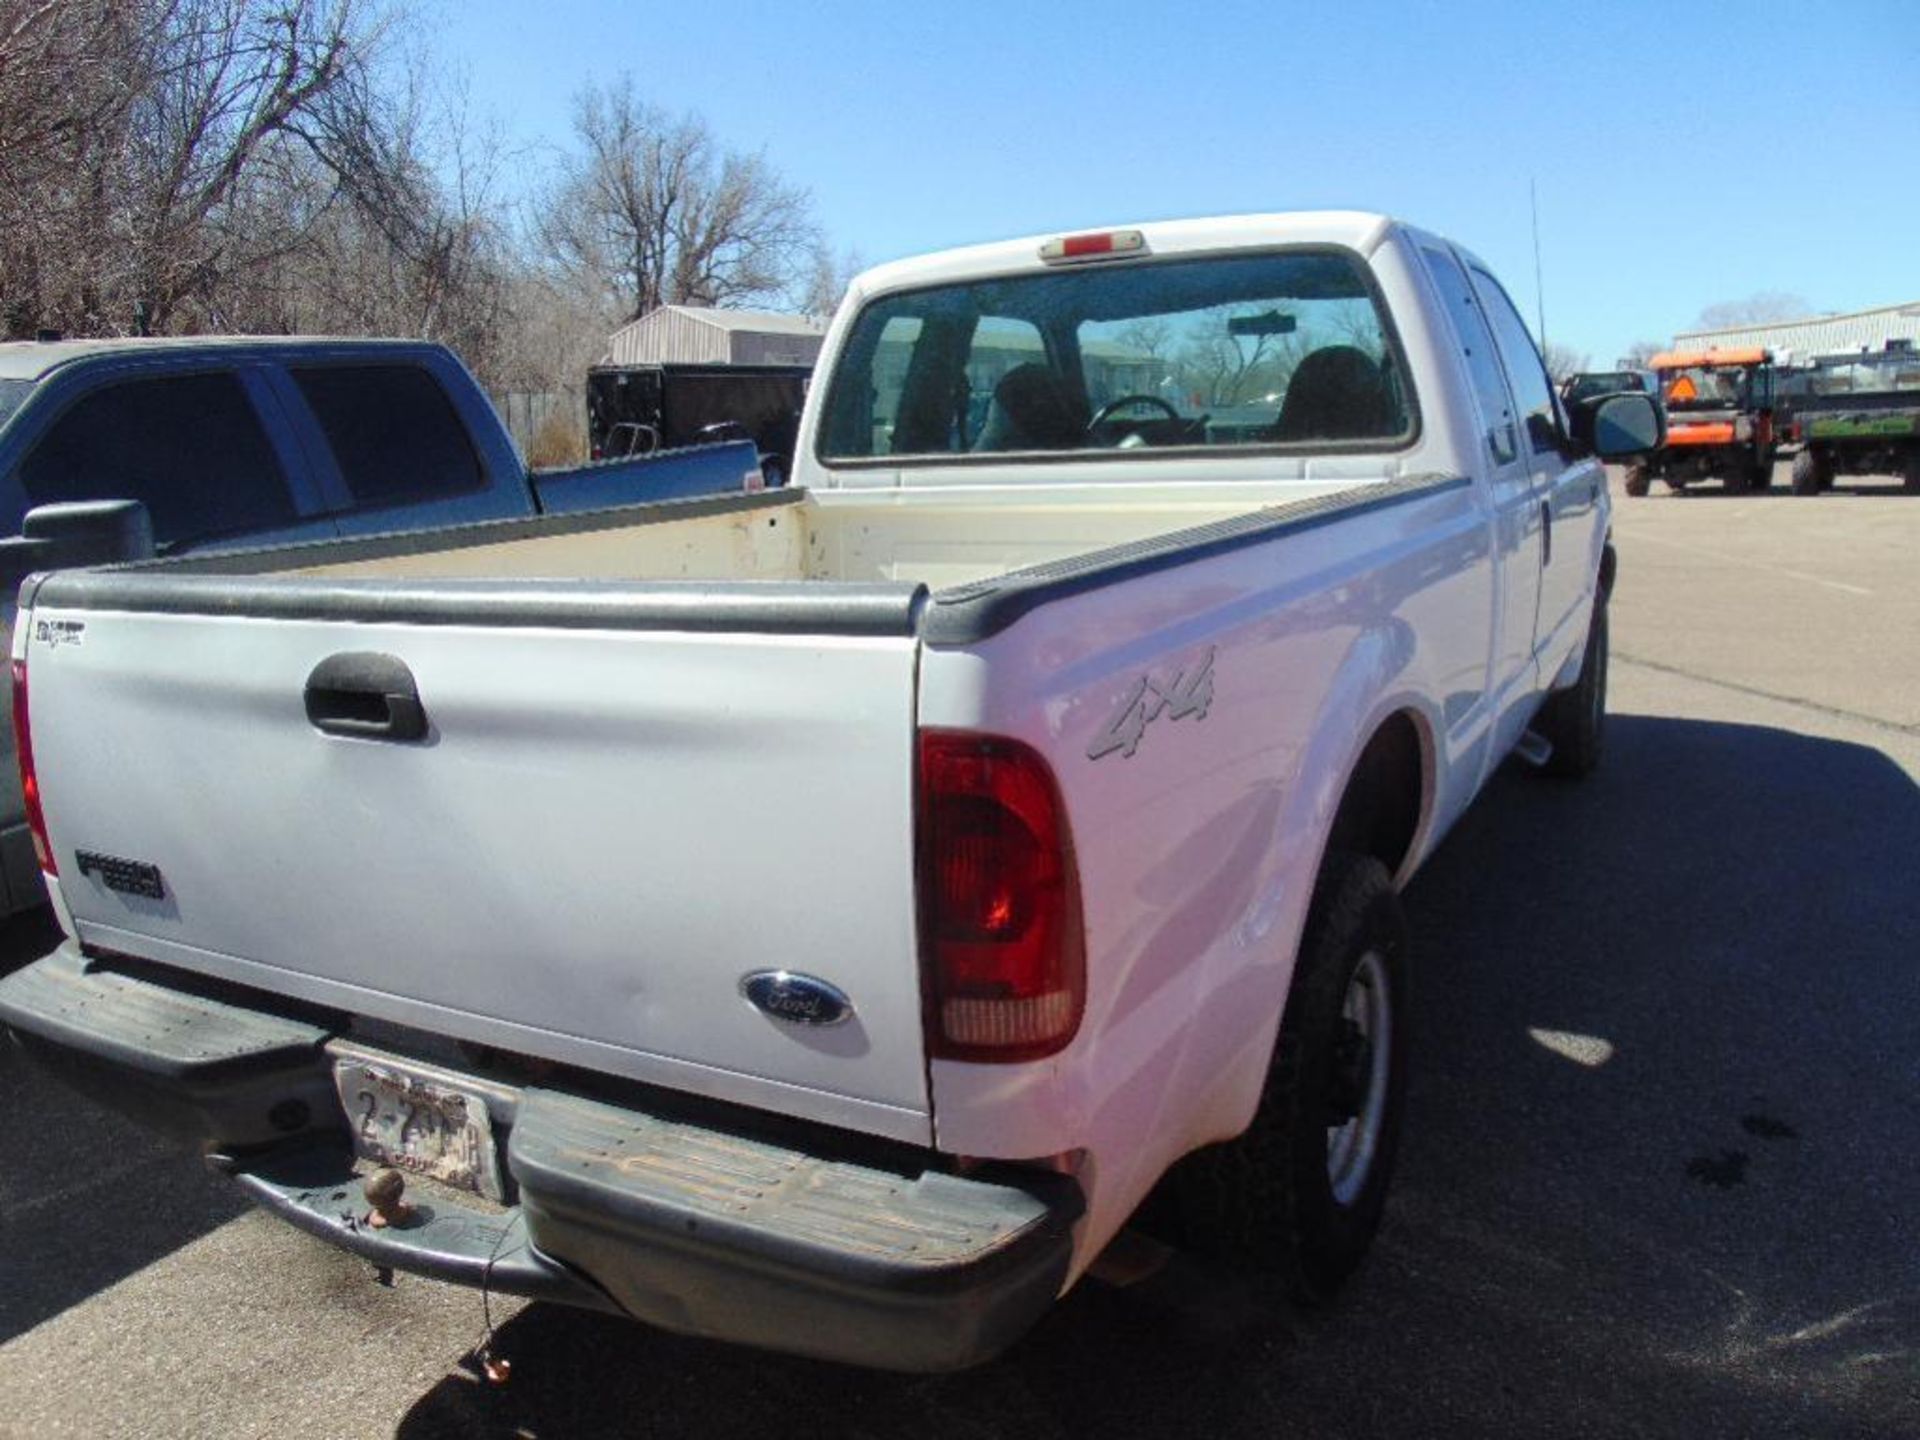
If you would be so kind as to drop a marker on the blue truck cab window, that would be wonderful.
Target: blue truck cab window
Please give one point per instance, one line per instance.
(189, 447)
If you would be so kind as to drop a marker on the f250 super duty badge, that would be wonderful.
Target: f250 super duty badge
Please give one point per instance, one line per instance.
(55, 633)
(1187, 692)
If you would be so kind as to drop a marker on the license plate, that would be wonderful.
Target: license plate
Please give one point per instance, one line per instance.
(419, 1125)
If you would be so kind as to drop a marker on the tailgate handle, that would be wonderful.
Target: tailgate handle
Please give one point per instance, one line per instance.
(366, 695)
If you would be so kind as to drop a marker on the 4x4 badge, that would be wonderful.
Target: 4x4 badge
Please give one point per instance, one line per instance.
(1188, 692)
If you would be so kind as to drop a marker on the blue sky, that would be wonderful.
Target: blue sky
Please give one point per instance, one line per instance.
(1684, 154)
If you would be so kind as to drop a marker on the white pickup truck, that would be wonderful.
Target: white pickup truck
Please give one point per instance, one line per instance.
(820, 918)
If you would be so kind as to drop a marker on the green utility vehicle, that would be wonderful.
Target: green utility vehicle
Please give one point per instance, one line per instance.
(1860, 416)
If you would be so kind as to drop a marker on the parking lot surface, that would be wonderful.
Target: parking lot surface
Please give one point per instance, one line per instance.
(1660, 1175)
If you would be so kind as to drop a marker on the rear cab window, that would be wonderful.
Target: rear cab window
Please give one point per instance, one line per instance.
(393, 431)
(191, 448)
(1283, 349)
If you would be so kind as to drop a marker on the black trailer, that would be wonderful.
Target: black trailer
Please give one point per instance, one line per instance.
(633, 409)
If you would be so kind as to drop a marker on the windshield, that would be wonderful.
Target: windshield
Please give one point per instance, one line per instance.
(1885, 372)
(1705, 386)
(12, 394)
(1286, 348)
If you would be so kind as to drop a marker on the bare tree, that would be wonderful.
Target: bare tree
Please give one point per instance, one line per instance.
(651, 210)
(299, 166)
(1564, 361)
(151, 172)
(1759, 308)
(828, 280)
(1640, 354)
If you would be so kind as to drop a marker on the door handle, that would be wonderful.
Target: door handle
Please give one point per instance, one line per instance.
(365, 695)
(1546, 533)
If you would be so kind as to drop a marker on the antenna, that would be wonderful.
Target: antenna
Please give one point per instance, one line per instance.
(1539, 290)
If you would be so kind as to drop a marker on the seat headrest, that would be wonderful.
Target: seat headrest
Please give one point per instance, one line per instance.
(1337, 393)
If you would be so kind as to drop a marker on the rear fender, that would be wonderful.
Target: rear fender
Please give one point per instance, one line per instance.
(1378, 679)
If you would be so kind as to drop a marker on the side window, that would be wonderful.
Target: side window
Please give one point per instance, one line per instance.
(1476, 339)
(1531, 388)
(393, 430)
(189, 447)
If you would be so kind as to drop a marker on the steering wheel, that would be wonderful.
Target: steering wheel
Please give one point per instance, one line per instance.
(1107, 411)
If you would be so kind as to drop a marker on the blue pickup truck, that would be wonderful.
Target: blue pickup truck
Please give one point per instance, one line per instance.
(230, 442)
(263, 441)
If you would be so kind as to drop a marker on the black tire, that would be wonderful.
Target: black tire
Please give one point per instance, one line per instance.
(1760, 478)
(1910, 476)
(1268, 1199)
(1639, 481)
(1574, 721)
(1739, 477)
(1806, 474)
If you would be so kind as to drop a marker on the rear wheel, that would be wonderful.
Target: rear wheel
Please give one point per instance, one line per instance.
(1910, 476)
(1300, 1194)
(1574, 721)
(1810, 477)
(1639, 481)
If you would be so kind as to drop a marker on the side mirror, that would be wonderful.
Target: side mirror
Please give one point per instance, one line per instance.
(66, 537)
(1618, 425)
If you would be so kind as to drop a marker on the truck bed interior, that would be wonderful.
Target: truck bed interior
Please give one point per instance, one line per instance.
(937, 538)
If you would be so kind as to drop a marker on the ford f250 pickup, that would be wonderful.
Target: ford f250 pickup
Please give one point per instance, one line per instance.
(820, 918)
(245, 440)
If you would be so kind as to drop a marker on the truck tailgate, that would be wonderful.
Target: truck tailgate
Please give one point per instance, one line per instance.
(602, 832)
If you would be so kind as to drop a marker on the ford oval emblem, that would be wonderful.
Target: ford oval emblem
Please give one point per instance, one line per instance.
(796, 999)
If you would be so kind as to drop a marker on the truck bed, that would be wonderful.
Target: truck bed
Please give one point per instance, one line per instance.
(923, 537)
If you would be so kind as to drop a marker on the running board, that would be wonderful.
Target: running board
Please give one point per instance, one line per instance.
(1534, 748)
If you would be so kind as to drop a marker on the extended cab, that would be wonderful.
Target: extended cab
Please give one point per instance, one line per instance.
(227, 441)
(820, 918)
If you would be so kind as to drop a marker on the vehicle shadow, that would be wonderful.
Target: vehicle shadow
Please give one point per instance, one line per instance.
(1657, 1180)
(1854, 486)
(26, 937)
(86, 1197)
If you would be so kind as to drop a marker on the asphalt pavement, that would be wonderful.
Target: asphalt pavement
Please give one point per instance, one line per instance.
(1661, 1174)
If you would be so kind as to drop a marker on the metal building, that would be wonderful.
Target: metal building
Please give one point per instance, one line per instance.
(1795, 342)
(693, 334)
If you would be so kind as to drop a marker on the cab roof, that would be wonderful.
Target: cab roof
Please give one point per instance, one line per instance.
(35, 359)
(1355, 229)
(1689, 359)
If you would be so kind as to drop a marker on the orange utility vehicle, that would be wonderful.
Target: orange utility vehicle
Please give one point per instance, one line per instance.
(1719, 421)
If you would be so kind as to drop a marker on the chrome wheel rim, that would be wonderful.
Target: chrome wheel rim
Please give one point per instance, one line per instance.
(1363, 1053)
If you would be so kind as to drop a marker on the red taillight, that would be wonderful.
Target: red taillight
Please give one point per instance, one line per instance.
(1000, 929)
(29, 782)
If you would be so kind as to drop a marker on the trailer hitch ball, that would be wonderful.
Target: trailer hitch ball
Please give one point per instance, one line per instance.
(386, 1193)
